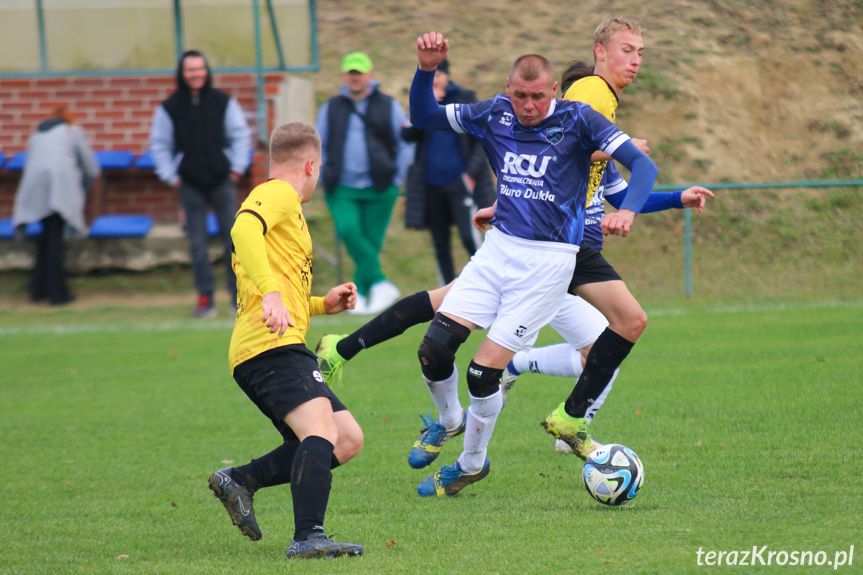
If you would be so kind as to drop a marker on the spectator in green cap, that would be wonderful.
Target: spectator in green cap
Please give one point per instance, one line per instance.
(364, 163)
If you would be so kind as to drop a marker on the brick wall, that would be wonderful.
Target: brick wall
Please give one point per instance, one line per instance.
(115, 113)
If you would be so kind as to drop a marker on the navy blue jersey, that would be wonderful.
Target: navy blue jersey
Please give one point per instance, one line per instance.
(542, 171)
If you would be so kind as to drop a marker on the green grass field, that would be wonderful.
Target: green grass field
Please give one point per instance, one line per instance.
(748, 422)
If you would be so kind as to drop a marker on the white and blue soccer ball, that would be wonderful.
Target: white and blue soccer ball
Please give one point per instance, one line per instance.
(613, 474)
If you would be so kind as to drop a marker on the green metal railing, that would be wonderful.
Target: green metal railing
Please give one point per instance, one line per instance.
(687, 213)
(336, 258)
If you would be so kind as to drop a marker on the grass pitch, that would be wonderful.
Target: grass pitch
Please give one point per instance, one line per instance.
(747, 421)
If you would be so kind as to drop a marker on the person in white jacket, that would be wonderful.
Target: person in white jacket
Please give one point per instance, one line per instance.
(59, 169)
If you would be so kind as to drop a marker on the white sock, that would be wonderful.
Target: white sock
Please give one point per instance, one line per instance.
(481, 417)
(594, 407)
(561, 360)
(445, 397)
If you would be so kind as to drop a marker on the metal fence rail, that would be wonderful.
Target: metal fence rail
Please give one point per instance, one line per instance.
(687, 213)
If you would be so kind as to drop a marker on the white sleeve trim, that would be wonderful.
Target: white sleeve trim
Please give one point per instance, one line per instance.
(452, 117)
(617, 186)
(615, 143)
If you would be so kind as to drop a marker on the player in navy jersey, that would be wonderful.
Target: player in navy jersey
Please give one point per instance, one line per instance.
(578, 322)
(540, 149)
(618, 48)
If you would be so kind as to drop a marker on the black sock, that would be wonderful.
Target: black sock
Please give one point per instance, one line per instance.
(407, 312)
(271, 469)
(608, 352)
(311, 480)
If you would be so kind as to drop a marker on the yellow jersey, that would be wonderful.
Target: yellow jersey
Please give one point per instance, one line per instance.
(272, 252)
(595, 92)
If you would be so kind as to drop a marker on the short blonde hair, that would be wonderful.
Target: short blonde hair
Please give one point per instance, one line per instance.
(531, 66)
(610, 26)
(289, 142)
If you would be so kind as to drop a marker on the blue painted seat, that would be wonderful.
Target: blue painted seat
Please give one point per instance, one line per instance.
(121, 226)
(114, 159)
(108, 160)
(17, 161)
(145, 162)
(212, 224)
(7, 230)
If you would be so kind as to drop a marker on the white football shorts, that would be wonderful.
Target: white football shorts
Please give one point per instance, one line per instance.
(513, 287)
(578, 322)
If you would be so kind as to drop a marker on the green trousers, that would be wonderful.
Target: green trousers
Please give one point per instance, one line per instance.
(361, 217)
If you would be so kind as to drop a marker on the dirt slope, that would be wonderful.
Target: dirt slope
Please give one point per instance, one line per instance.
(736, 90)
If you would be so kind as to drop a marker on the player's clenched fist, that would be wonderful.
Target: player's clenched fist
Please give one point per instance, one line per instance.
(432, 49)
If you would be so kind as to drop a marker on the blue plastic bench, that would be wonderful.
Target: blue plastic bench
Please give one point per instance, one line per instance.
(145, 162)
(121, 226)
(17, 161)
(212, 224)
(107, 159)
(114, 159)
(7, 230)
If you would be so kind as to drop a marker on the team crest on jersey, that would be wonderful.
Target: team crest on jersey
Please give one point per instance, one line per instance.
(554, 135)
(506, 119)
(519, 331)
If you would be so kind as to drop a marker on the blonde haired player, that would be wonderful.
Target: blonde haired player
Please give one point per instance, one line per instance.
(268, 356)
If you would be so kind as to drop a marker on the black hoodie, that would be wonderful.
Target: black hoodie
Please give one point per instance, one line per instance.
(199, 130)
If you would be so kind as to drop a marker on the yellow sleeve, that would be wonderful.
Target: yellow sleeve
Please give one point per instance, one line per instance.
(594, 92)
(251, 250)
(316, 306)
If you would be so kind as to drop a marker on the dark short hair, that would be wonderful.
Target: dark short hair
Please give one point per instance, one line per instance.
(531, 66)
(575, 71)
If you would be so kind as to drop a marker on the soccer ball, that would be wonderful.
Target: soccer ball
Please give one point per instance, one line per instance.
(613, 474)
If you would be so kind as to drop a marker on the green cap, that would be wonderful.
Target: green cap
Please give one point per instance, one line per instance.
(356, 61)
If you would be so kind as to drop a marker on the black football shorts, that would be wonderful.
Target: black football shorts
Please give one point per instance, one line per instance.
(281, 379)
(591, 268)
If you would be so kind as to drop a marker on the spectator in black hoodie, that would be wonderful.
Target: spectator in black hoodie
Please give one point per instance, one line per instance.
(201, 145)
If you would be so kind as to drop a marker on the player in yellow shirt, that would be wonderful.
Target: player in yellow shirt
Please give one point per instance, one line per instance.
(268, 356)
(618, 48)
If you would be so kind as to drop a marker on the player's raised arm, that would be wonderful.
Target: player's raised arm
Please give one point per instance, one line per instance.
(426, 113)
(432, 49)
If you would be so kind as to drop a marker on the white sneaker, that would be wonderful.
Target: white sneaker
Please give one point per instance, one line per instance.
(382, 295)
(560, 446)
(362, 306)
(507, 380)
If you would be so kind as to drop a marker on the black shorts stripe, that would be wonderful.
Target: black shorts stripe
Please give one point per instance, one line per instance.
(257, 215)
